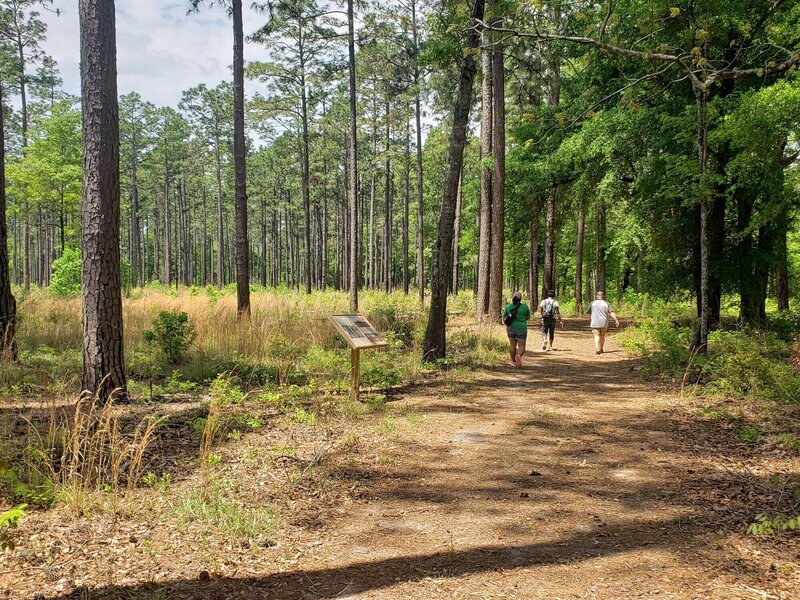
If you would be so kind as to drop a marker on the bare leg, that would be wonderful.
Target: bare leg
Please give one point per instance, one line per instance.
(512, 348)
(521, 347)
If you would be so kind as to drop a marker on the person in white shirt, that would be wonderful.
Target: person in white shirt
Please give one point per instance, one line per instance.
(550, 315)
(599, 312)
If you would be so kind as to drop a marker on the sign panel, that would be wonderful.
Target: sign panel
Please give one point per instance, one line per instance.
(358, 332)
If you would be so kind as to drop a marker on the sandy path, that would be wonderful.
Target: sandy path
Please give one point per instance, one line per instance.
(566, 479)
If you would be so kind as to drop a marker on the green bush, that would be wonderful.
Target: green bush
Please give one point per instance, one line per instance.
(173, 334)
(66, 281)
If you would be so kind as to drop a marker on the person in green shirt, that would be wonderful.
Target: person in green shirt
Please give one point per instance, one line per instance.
(515, 317)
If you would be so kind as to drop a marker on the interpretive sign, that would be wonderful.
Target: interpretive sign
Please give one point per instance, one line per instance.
(358, 332)
(359, 335)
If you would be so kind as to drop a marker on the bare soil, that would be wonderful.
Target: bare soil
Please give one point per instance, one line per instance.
(570, 478)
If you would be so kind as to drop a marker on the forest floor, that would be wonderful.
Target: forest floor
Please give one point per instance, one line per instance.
(570, 478)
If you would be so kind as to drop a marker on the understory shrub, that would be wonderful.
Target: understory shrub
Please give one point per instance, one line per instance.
(172, 334)
(742, 363)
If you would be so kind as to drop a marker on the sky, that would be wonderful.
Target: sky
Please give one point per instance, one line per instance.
(161, 51)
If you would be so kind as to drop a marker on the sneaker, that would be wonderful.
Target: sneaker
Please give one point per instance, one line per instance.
(549, 348)
(544, 346)
(518, 361)
(598, 351)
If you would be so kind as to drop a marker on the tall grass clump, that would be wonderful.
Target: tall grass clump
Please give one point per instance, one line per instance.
(85, 449)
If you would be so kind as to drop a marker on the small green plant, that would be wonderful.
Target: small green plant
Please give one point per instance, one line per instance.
(8, 521)
(749, 434)
(173, 334)
(764, 525)
(305, 417)
(790, 441)
(151, 480)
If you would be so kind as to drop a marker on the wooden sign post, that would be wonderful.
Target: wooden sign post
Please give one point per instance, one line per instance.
(359, 334)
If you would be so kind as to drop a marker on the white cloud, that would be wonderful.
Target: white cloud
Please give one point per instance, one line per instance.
(161, 51)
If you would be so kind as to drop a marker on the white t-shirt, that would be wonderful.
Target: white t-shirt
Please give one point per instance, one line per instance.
(600, 311)
(546, 303)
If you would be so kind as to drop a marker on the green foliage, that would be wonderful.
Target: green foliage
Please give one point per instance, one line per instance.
(173, 334)
(766, 525)
(9, 520)
(66, 279)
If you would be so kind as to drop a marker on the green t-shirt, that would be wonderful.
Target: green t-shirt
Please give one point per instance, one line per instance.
(520, 322)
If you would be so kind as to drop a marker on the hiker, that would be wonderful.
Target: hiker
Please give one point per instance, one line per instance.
(600, 310)
(551, 314)
(515, 318)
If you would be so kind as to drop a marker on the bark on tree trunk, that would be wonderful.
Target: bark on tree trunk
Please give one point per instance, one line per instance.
(434, 344)
(103, 360)
(420, 242)
(239, 167)
(8, 304)
(485, 229)
(579, 258)
(700, 341)
(352, 161)
(406, 206)
(782, 266)
(496, 270)
(387, 209)
(600, 247)
(548, 279)
(533, 277)
(457, 235)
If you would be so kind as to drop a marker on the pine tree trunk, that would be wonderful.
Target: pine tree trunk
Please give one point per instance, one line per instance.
(496, 271)
(534, 254)
(8, 304)
(579, 258)
(485, 230)
(782, 264)
(387, 209)
(103, 359)
(239, 167)
(420, 241)
(548, 278)
(352, 161)
(700, 341)
(434, 343)
(406, 207)
(600, 247)
(457, 235)
(220, 281)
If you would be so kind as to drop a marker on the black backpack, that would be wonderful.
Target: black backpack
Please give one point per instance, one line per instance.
(512, 314)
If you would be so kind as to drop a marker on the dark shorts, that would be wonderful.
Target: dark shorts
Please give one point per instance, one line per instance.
(549, 327)
(513, 334)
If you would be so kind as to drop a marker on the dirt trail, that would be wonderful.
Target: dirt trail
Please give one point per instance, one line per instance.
(570, 478)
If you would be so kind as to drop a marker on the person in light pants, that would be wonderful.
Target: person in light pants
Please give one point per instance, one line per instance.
(599, 312)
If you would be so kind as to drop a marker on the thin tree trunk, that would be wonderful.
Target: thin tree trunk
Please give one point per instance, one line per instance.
(457, 235)
(579, 258)
(782, 266)
(496, 270)
(103, 358)
(534, 254)
(8, 304)
(387, 209)
(486, 213)
(700, 341)
(434, 343)
(239, 167)
(600, 247)
(352, 160)
(406, 207)
(548, 279)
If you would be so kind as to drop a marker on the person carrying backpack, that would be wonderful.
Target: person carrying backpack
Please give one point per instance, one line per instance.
(551, 314)
(515, 318)
(599, 311)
